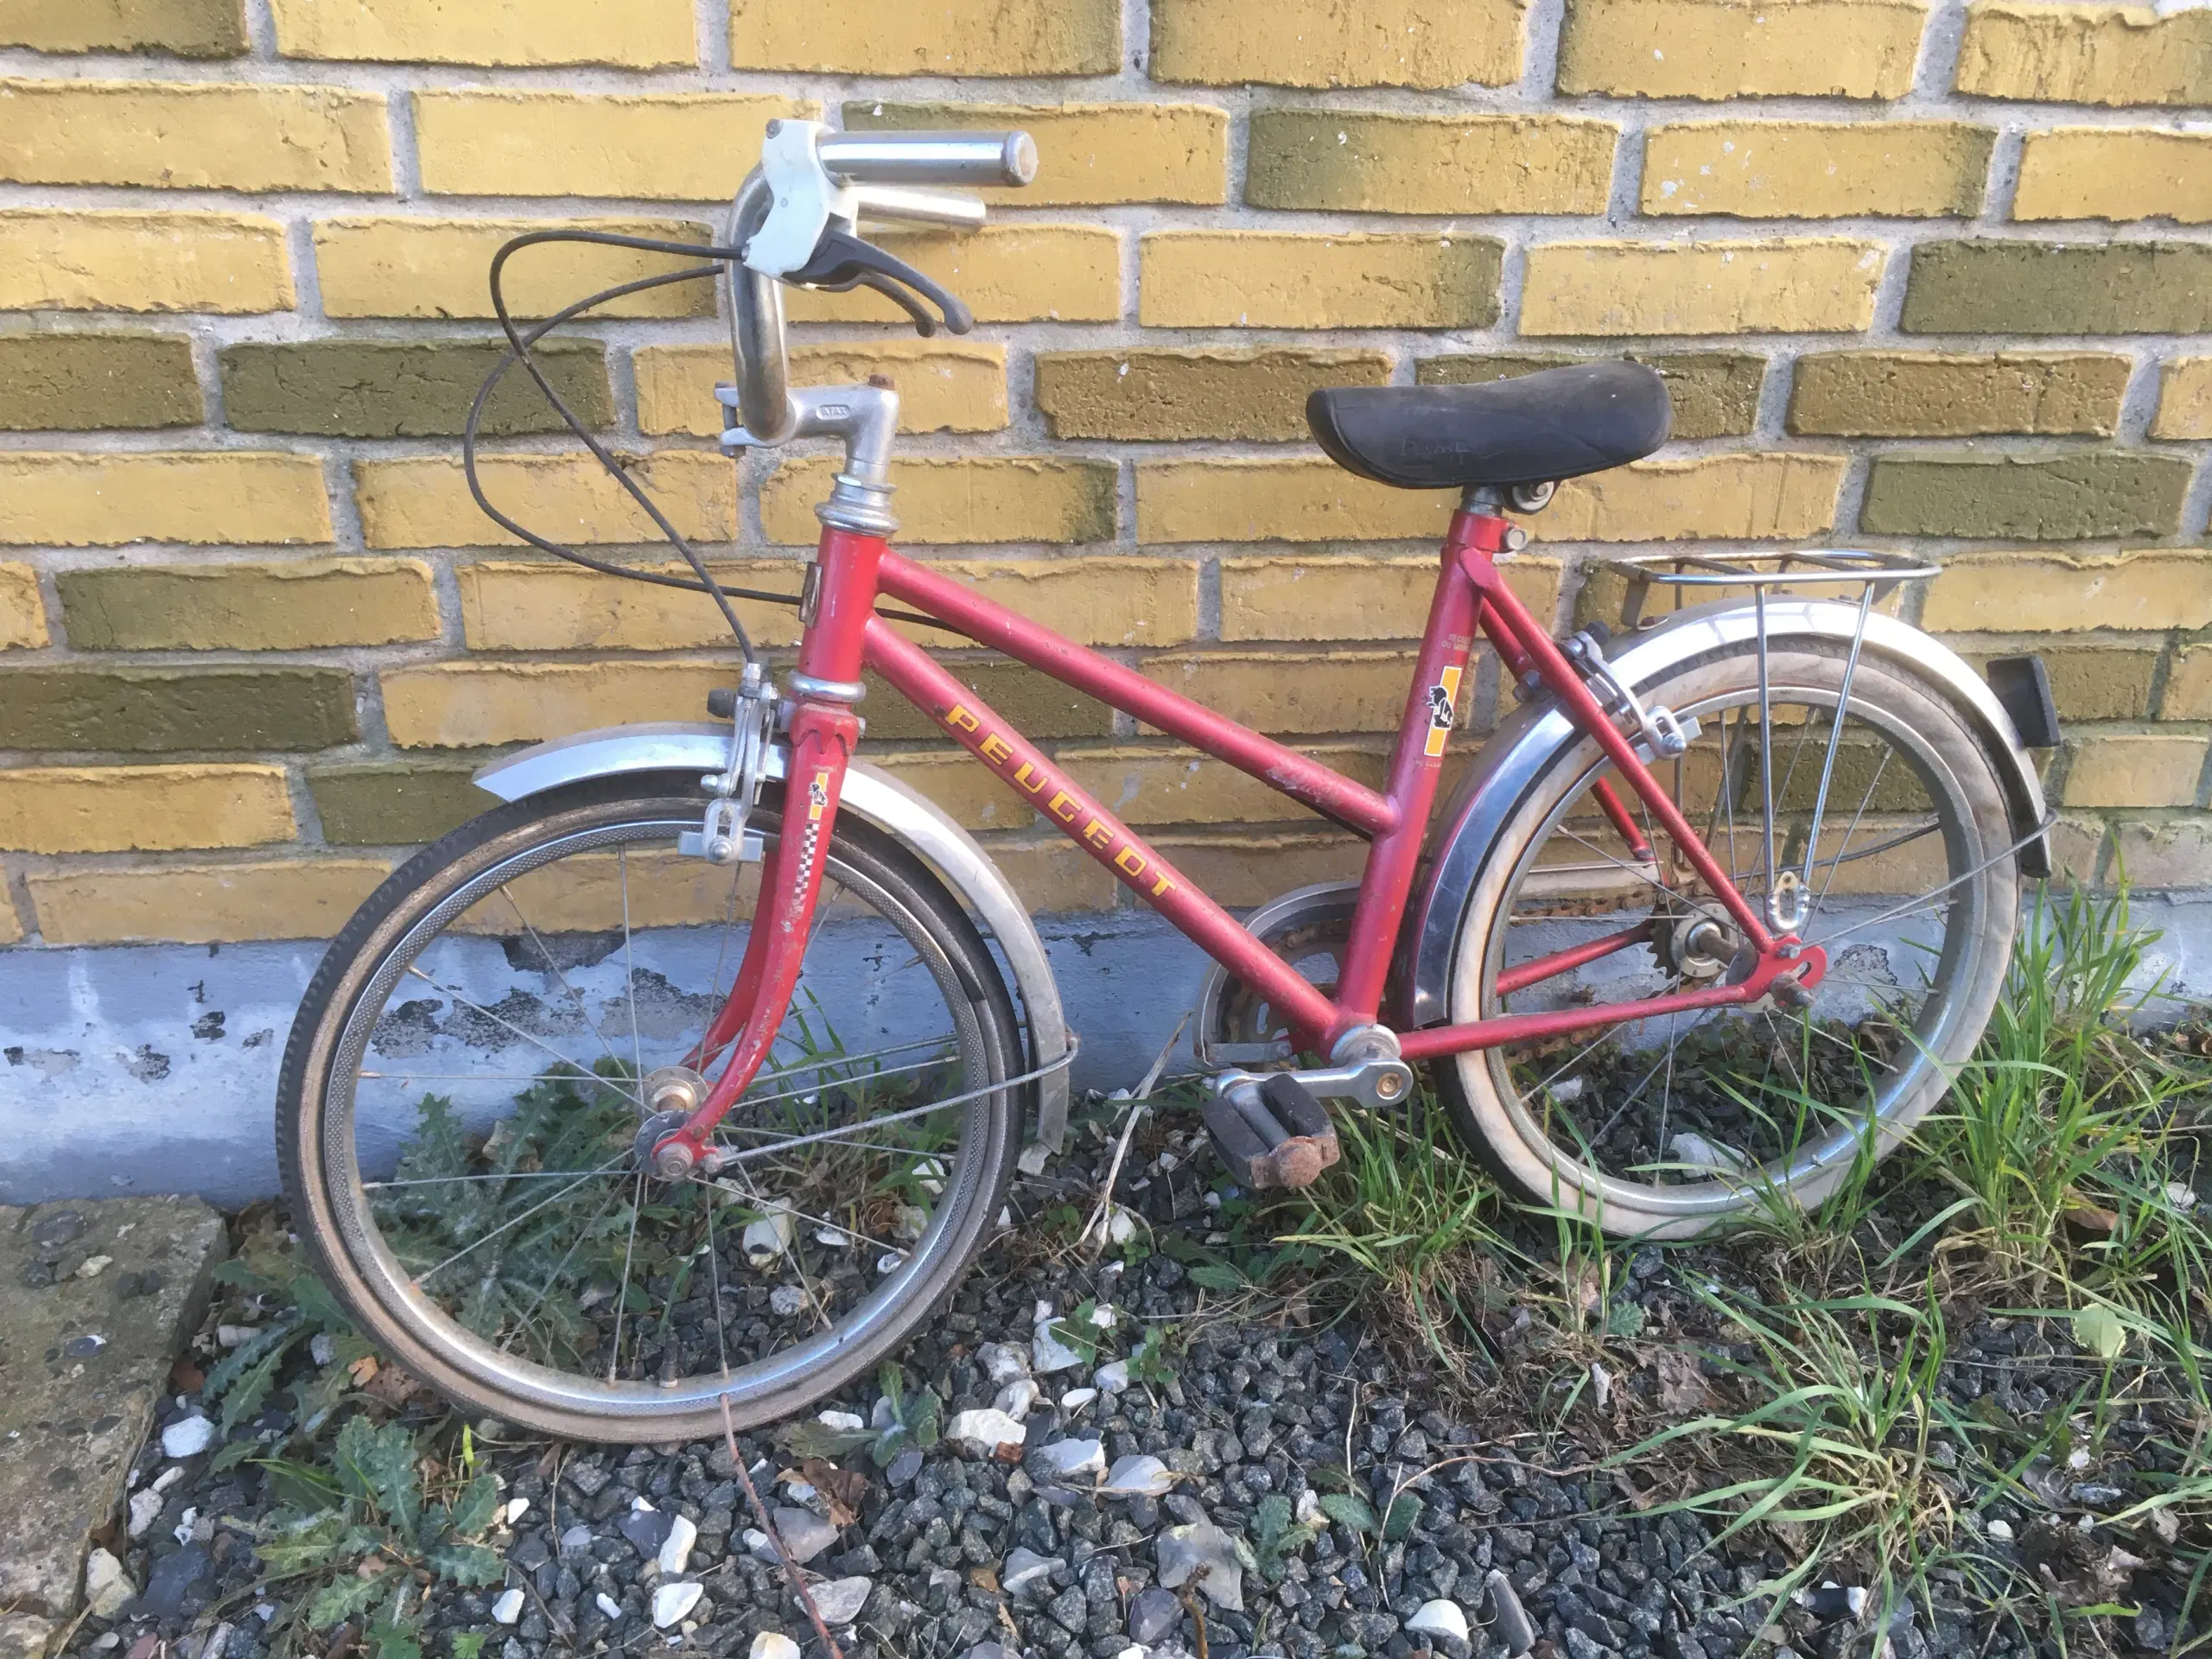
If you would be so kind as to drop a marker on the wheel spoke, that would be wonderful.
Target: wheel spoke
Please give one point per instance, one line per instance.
(513, 1221)
(559, 1267)
(615, 1083)
(622, 1288)
(630, 967)
(545, 955)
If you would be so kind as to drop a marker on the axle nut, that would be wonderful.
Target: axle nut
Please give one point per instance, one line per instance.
(674, 1161)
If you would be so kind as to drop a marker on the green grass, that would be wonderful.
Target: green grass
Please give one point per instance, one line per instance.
(2057, 1184)
(1406, 1212)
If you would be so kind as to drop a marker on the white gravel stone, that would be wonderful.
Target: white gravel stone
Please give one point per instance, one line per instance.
(773, 1644)
(1112, 1378)
(609, 1605)
(1141, 1476)
(1439, 1618)
(1202, 1554)
(508, 1608)
(187, 1437)
(981, 1433)
(676, 1549)
(1016, 1398)
(845, 1422)
(840, 1601)
(1002, 1362)
(805, 1533)
(672, 1601)
(786, 1301)
(1050, 1352)
(768, 1238)
(145, 1509)
(516, 1508)
(1024, 1567)
(1077, 1399)
(107, 1587)
(1068, 1458)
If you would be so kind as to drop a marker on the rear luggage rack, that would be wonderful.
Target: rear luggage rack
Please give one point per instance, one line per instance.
(1878, 574)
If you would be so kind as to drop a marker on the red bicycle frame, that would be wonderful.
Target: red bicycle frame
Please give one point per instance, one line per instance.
(1471, 598)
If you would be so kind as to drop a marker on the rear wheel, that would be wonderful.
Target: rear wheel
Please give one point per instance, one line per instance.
(461, 1106)
(1671, 1125)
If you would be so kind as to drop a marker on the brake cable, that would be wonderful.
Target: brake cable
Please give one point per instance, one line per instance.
(519, 343)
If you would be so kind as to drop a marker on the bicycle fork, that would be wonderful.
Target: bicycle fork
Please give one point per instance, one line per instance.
(821, 730)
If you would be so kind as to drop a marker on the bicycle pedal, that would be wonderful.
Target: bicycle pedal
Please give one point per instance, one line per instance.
(1272, 1134)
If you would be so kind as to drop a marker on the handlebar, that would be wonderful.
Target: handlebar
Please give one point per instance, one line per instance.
(969, 158)
(810, 180)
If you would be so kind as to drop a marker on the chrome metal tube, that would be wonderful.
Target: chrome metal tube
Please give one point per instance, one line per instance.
(929, 157)
(757, 307)
(891, 201)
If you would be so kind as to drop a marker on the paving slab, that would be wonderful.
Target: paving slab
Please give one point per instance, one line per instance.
(97, 1299)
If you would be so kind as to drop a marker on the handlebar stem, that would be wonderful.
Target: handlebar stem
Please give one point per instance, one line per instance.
(857, 172)
(867, 418)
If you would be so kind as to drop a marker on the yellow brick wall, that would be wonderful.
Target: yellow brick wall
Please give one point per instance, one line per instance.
(1932, 275)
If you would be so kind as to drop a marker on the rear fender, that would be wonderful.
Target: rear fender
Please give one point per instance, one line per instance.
(876, 798)
(1518, 752)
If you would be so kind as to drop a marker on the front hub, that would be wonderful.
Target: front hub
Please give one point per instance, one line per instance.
(672, 1093)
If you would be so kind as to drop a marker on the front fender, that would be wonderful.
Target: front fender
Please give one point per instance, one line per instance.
(1518, 751)
(875, 797)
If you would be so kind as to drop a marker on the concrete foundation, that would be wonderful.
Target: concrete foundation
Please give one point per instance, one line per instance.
(153, 1069)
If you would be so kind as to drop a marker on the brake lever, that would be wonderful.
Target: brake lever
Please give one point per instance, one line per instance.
(925, 324)
(842, 261)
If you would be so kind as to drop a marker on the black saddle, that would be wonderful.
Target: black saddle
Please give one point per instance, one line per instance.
(1532, 429)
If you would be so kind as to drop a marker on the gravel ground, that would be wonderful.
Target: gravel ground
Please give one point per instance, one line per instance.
(981, 1550)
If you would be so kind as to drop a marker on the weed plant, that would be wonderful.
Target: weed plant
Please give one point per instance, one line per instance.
(1811, 1404)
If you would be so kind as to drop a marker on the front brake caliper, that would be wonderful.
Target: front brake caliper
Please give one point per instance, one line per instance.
(721, 837)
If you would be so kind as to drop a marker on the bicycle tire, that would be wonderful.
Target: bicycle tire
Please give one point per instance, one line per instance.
(1488, 1109)
(401, 921)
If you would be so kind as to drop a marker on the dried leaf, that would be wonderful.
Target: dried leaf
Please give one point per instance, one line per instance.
(364, 1370)
(1682, 1384)
(396, 1386)
(846, 1489)
(2085, 1217)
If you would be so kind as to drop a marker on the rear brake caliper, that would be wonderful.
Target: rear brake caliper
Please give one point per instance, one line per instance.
(1662, 733)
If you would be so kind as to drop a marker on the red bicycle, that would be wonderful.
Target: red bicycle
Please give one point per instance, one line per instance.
(696, 1072)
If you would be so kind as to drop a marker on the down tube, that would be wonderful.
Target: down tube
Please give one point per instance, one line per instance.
(1314, 1020)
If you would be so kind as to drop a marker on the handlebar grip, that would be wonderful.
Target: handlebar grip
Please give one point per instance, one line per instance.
(972, 158)
(885, 202)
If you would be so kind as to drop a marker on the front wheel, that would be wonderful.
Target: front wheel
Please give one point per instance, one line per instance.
(461, 1109)
(1887, 827)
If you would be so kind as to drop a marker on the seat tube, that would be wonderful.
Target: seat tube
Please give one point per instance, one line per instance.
(1431, 711)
